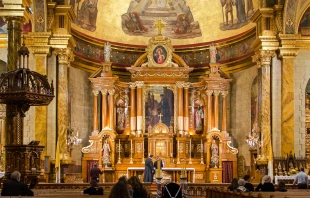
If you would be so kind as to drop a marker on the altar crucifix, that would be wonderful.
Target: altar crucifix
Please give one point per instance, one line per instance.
(160, 115)
(160, 26)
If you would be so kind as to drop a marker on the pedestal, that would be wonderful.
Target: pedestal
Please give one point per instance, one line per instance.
(108, 175)
(214, 175)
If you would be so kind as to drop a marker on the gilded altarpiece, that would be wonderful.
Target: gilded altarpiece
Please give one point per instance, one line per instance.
(160, 112)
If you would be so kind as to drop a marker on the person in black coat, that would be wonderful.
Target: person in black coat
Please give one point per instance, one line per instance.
(13, 186)
(248, 185)
(149, 170)
(234, 185)
(95, 172)
(94, 189)
(266, 185)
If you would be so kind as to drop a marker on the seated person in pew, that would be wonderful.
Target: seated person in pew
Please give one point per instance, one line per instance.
(281, 187)
(137, 187)
(119, 190)
(234, 185)
(94, 189)
(125, 181)
(248, 184)
(241, 188)
(265, 185)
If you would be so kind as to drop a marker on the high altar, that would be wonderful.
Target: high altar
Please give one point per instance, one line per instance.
(160, 112)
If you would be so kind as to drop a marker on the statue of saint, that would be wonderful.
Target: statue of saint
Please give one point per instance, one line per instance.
(199, 118)
(120, 117)
(213, 52)
(106, 153)
(214, 153)
(107, 52)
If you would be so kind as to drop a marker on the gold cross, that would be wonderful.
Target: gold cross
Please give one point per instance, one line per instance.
(159, 25)
(160, 115)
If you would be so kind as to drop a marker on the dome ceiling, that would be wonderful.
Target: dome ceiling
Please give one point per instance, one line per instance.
(132, 22)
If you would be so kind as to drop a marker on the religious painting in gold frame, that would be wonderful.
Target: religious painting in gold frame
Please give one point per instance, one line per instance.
(159, 104)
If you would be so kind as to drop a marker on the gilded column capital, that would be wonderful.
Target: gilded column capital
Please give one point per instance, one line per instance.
(209, 92)
(139, 84)
(179, 84)
(216, 92)
(104, 91)
(65, 55)
(256, 59)
(224, 93)
(186, 85)
(95, 92)
(111, 91)
(132, 85)
(266, 56)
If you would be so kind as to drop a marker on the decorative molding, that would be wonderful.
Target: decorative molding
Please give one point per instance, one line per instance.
(65, 55)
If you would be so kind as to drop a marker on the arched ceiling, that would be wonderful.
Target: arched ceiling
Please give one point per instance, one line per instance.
(187, 22)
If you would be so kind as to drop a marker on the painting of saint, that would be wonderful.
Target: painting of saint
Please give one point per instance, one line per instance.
(86, 13)
(159, 54)
(159, 106)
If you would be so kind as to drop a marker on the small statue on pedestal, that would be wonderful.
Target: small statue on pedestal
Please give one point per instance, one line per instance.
(107, 52)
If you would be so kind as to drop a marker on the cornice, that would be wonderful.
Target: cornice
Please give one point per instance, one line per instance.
(66, 9)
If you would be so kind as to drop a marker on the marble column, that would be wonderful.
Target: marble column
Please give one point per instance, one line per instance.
(209, 94)
(41, 112)
(104, 107)
(186, 112)
(133, 115)
(180, 85)
(224, 119)
(287, 105)
(65, 56)
(139, 107)
(216, 108)
(95, 113)
(111, 109)
(14, 27)
(266, 147)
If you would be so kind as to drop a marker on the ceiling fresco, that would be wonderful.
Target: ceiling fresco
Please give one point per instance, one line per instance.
(186, 21)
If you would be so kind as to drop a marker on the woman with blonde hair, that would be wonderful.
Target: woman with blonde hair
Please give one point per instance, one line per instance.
(265, 185)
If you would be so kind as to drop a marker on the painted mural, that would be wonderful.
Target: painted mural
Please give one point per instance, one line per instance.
(243, 11)
(304, 25)
(177, 16)
(3, 26)
(186, 22)
(86, 12)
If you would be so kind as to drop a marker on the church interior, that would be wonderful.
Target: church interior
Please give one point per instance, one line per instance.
(216, 89)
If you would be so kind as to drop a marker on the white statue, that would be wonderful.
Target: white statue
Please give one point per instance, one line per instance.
(214, 153)
(199, 118)
(213, 52)
(107, 52)
(106, 153)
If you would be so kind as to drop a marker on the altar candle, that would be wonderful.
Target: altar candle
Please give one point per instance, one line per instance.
(201, 149)
(190, 147)
(131, 146)
(119, 145)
